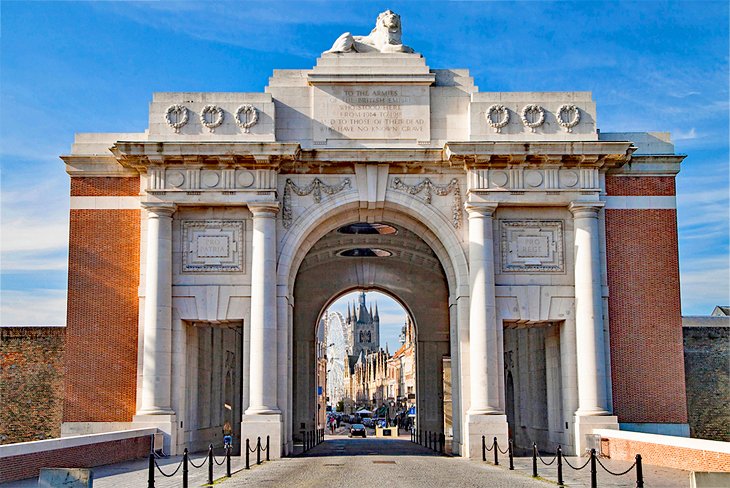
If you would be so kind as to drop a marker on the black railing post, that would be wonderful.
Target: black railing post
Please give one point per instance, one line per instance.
(639, 472)
(228, 460)
(594, 478)
(185, 468)
(534, 460)
(268, 450)
(484, 449)
(248, 453)
(560, 465)
(210, 464)
(151, 472)
(496, 452)
(443, 443)
(420, 438)
(258, 450)
(511, 453)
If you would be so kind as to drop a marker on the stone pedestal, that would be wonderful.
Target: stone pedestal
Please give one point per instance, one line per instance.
(489, 426)
(166, 423)
(585, 424)
(254, 426)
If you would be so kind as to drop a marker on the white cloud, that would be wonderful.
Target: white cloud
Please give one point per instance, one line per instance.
(33, 307)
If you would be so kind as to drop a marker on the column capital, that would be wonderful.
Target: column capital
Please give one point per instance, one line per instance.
(585, 209)
(477, 210)
(165, 209)
(264, 209)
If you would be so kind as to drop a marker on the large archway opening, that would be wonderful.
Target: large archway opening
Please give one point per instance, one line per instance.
(390, 257)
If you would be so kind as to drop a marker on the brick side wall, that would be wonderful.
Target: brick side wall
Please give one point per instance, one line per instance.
(31, 383)
(669, 456)
(101, 335)
(647, 362)
(29, 465)
(104, 186)
(707, 373)
(640, 186)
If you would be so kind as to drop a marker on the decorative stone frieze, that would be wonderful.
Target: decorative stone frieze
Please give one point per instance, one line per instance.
(526, 178)
(246, 117)
(212, 246)
(316, 188)
(532, 245)
(440, 190)
(176, 116)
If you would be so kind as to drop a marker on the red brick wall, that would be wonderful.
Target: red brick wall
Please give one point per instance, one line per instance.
(669, 456)
(104, 187)
(647, 362)
(29, 465)
(31, 383)
(640, 185)
(101, 336)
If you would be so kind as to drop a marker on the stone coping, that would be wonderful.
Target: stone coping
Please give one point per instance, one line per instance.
(32, 447)
(667, 440)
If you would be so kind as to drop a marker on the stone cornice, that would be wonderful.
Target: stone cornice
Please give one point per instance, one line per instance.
(585, 153)
(650, 165)
(141, 155)
(95, 165)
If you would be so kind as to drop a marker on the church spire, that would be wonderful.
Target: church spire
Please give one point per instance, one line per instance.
(376, 316)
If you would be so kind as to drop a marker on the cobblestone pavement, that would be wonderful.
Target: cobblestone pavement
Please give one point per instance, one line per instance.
(364, 463)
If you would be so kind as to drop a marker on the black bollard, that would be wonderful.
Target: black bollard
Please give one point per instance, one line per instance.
(443, 443)
(560, 466)
(534, 460)
(420, 437)
(594, 477)
(228, 460)
(268, 450)
(496, 452)
(639, 472)
(306, 440)
(248, 453)
(511, 452)
(258, 450)
(484, 449)
(185, 468)
(151, 473)
(210, 464)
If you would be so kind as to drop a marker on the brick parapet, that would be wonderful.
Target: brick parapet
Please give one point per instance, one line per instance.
(102, 316)
(640, 185)
(647, 362)
(104, 186)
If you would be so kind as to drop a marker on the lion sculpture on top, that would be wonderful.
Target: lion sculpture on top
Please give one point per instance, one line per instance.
(384, 38)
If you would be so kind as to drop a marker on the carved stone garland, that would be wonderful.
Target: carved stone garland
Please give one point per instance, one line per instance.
(502, 117)
(528, 116)
(180, 113)
(316, 188)
(216, 114)
(246, 117)
(440, 190)
(567, 109)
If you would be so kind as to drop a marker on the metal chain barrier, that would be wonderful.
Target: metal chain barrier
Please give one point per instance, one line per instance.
(611, 472)
(543, 461)
(201, 464)
(171, 474)
(209, 459)
(573, 467)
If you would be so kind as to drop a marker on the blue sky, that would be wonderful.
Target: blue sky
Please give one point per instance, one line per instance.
(92, 67)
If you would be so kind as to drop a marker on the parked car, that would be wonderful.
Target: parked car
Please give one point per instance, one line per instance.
(357, 429)
(368, 422)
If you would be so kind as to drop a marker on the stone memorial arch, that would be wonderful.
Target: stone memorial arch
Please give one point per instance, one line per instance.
(533, 251)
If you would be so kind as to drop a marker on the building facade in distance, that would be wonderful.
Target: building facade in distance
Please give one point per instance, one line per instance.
(532, 251)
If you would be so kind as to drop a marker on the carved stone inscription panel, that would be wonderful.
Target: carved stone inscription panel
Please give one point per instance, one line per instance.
(371, 112)
(213, 246)
(532, 245)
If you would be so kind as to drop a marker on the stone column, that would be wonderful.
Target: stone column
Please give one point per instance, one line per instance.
(157, 359)
(593, 409)
(263, 364)
(483, 347)
(485, 415)
(591, 360)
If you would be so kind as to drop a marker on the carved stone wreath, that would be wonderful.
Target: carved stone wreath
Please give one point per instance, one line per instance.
(246, 117)
(501, 121)
(528, 116)
(440, 190)
(176, 116)
(316, 188)
(567, 109)
(216, 114)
